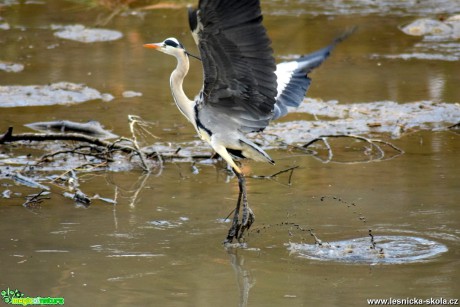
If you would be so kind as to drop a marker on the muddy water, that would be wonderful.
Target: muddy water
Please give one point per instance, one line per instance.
(160, 245)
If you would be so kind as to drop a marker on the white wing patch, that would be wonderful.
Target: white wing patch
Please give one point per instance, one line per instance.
(284, 72)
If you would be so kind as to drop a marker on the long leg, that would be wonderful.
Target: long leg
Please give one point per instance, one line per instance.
(248, 215)
(234, 229)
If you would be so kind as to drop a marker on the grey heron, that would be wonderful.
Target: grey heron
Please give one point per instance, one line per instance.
(243, 88)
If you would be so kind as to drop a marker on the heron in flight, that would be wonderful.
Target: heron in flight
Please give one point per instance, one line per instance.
(243, 88)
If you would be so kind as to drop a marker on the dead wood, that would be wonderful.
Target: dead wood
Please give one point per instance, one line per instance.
(34, 200)
(98, 153)
(9, 137)
(273, 176)
(374, 143)
(107, 147)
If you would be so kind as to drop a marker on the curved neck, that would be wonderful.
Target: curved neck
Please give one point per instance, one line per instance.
(184, 104)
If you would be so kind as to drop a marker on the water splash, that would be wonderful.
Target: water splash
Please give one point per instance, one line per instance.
(387, 250)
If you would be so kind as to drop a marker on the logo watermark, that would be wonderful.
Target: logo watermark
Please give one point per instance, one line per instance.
(16, 297)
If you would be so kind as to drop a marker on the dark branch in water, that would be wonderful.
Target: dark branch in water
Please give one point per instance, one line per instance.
(290, 170)
(99, 154)
(34, 200)
(107, 147)
(8, 137)
(455, 126)
(80, 150)
(374, 143)
(374, 244)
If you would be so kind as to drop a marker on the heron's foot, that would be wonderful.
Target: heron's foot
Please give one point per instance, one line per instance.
(246, 222)
(238, 228)
(232, 233)
(234, 229)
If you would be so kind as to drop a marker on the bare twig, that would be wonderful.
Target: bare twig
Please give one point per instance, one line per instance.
(135, 196)
(35, 199)
(290, 169)
(142, 125)
(374, 143)
(374, 244)
(457, 125)
(134, 121)
(102, 155)
(138, 151)
(9, 137)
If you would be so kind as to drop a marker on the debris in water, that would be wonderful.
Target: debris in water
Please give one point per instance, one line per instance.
(6, 194)
(4, 25)
(80, 198)
(86, 35)
(27, 181)
(34, 201)
(361, 119)
(131, 94)
(364, 8)
(426, 26)
(52, 94)
(448, 29)
(11, 67)
(420, 56)
(439, 40)
(91, 128)
(105, 199)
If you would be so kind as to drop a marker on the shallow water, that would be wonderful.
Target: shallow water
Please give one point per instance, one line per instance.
(161, 243)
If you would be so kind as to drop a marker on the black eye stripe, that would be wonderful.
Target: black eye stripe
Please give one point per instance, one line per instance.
(175, 44)
(171, 43)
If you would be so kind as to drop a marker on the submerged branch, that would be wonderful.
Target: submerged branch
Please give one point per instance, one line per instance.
(34, 200)
(9, 137)
(374, 144)
(103, 150)
(454, 127)
(290, 170)
(107, 147)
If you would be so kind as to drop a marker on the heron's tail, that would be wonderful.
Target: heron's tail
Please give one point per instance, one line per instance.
(252, 151)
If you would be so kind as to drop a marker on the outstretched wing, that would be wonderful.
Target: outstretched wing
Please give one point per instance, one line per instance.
(293, 80)
(239, 79)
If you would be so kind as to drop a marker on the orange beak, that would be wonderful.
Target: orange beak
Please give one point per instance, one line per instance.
(152, 46)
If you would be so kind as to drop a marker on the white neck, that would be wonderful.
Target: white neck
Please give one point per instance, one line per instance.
(185, 105)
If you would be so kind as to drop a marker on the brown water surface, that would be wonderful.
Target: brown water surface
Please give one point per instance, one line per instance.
(161, 244)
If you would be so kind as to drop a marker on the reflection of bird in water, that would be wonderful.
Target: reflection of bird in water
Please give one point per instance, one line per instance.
(243, 89)
(244, 277)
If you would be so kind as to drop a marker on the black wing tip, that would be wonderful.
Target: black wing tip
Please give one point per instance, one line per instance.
(345, 35)
(297, 87)
(326, 51)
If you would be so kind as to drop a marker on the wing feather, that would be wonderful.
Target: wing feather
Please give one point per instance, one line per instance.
(293, 80)
(238, 63)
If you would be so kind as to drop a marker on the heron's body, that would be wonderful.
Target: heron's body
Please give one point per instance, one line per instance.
(243, 89)
(226, 138)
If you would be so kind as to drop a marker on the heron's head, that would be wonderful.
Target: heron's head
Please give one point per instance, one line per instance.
(170, 46)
